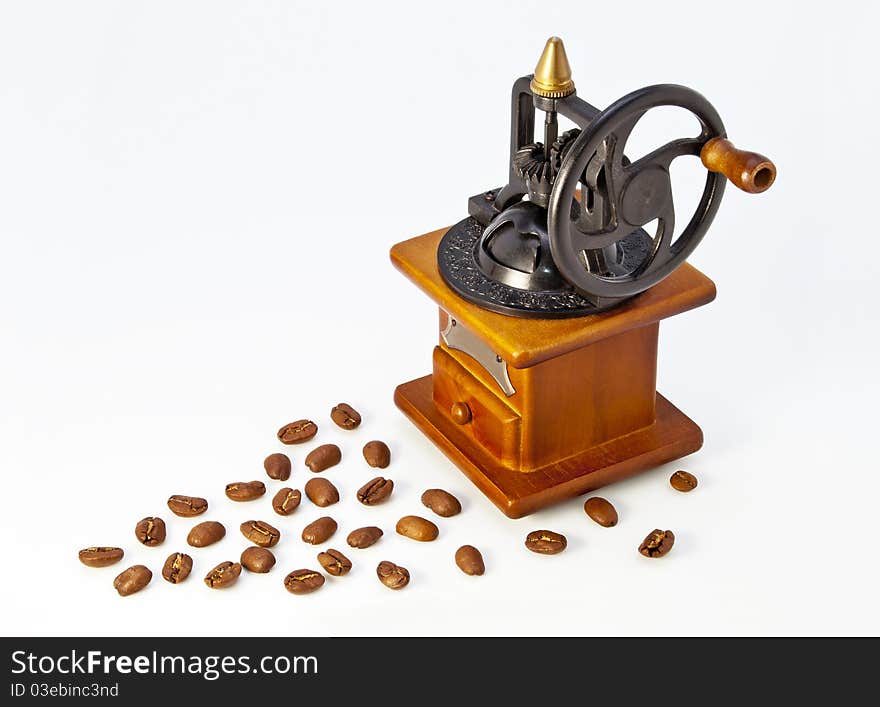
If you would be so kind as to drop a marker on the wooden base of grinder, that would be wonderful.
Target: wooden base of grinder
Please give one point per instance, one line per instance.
(536, 411)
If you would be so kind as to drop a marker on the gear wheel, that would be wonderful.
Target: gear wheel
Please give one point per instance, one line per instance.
(531, 164)
(560, 148)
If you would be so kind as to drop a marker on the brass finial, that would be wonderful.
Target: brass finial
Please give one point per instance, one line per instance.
(553, 74)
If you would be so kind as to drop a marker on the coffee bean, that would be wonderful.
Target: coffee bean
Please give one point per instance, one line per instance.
(546, 542)
(683, 481)
(303, 581)
(377, 454)
(391, 575)
(258, 560)
(334, 562)
(375, 491)
(206, 533)
(245, 490)
(601, 511)
(187, 506)
(417, 528)
(345, 416)
(100, 556)
(177, 567)
(323, 457)
(319, 531)
(132, 580)
(223, 575)
(277, 466)
(442, 502)
(260, 533)
(658, 543)
(286, 501)
(297, 432)
(321, 492)
(364, 537)
(469, 560)
(150, 531)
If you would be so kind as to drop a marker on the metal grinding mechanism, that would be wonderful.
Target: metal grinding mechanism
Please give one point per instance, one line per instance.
(565, 236)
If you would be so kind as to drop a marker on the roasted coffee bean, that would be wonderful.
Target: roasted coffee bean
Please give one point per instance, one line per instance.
(546, 542)
(297, 432)
(323, 457)
(206, 533)
(345, 416)
(334, 562)
(442, 502)
(364, 537)
(303, 581)
(658, 543)
(319, 531)
(223, 575)
(150, 531)
(277, 466)
(683, 481)
(321, 492)
(257, 559)
(601, 511)
(377, 454)
(469, 560)
(245, 490)
(417, 528)
(375, 491)
(177, 567)
(100, 556)
(187, 506)
(260, 533)
(286, 501)
(132, 580)
(391, 575)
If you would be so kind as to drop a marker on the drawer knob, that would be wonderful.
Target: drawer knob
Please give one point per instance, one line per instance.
(461, 413)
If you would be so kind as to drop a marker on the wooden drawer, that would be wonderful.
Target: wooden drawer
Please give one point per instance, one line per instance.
(490, 422)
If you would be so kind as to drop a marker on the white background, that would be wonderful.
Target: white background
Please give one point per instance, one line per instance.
(196, 205)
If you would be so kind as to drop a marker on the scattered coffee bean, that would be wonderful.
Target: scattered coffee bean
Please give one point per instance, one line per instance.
(206, 533)
(319, 531)
(546, 542)
(443, 503)
(658, 543)
(391, 575)
(417, 528)
(297, 432)
(323, 457)
(258, 560)
(100, 556)
(683, 481)
(334, 562)
(187, 506)
(375, 491)
(364, 537)
(245, 490)
(260, 533)
(286, 501)
(177, 567)
(469, 560)
(132, 580)
(277, 466)
(150, 531)
(377, 454)
(321, 492)
(223, 575)
(345, 416)
(303, 581)
(601, 511)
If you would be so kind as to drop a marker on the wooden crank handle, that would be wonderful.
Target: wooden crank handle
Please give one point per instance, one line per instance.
(749, 171)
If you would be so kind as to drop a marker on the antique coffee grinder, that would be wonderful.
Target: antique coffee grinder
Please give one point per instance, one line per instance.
(551, 293)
